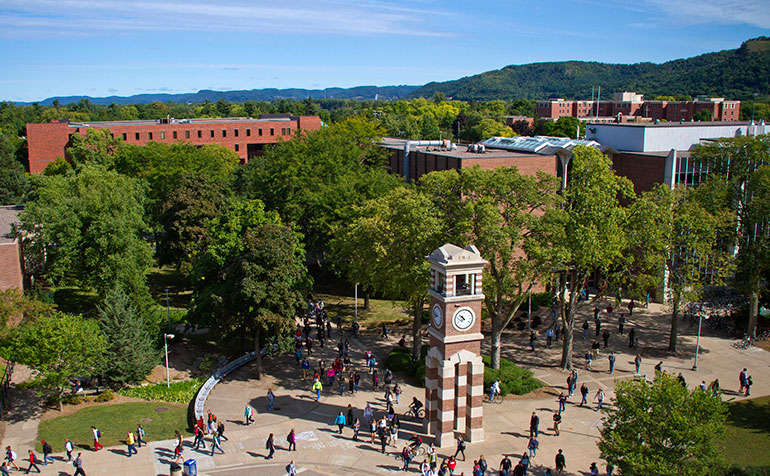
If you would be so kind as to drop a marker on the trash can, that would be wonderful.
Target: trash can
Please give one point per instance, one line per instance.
(176, 470)
(190, 468)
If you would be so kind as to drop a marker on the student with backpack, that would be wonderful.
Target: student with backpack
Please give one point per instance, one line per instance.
(97, 435)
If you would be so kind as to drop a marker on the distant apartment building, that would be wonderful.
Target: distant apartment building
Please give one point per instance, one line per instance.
(627, 105)
(245, 136)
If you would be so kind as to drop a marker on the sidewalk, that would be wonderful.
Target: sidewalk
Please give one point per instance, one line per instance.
(322, 451)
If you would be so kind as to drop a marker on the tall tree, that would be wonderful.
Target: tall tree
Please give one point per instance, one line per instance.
(13, 180)
(739, 165)
(496, 211)
(651, 428)
(59, 346)
(386, 245)
(97, 146)
(131, 340)
(86, 229)
(586, 234)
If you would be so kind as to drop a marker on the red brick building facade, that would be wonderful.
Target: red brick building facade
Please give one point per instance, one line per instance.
(11, 275)
(247, 137)
(628, 104)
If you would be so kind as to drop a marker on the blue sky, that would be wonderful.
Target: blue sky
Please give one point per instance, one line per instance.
(126, 47)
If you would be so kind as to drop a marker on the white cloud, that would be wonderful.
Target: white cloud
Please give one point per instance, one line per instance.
(302, 17)
(726, 12)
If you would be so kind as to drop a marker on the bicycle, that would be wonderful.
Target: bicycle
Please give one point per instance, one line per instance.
(498, 398)
(420, 414)
(415, 452)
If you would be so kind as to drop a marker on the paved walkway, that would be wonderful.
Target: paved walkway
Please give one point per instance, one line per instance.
(322, 451)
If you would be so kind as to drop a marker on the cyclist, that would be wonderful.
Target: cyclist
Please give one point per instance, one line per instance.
(494, 389)
(415, 406)
(415, 442)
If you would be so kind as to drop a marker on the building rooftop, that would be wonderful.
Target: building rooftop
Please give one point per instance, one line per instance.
(9, 216)
(214, 120)
(461, 152)
(678, 124)
(541, 145)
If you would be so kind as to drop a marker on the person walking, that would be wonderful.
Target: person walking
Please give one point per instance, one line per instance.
(270, 447)
(130, 444)
(97, 435)
(749, 383)
(532, 339)
(248, 415)
(292, 469)
(532, 446)
(340, 421)
(349, 416)
(556, 423)
(562, 402)
(140, 434)
(584, 394)
(621, 323)
(179, 447)
(548, 337)
(534, 422)
(606, 337)
(78, 463)
(47, 450)
(198, 438)
(317, 387)
(589, 358)
(292, 439)
(742, 378)
(216, 443)
(505, 466)
(631, 306)
(637, 364)
(560, 462)
(460, 447)
(375, 380)
(357, 379)
(611, 358)
(356, 428)
(68, 447)
(270, 399)
(4, 469)
(33, 461)
(585, 329)
(570, 385)
(599, 398)
(305, 365)
(11, 457)
(221, 430)
(406, 456)
(632, 337)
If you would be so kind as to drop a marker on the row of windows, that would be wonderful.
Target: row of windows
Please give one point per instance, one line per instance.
(212, 133)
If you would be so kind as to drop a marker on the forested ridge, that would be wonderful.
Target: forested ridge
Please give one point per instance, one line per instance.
(735, 74)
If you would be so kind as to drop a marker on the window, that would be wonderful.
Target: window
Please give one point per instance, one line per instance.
(186, 134)
(272, 131)
(260, 132)
(174, 134)
(149, 136)
(200, 133)
(136, 135)
(235, 132)
(224, 132)
(125, 136)
(162, 135)
(211, 132)
(248, 132)
(236, 147)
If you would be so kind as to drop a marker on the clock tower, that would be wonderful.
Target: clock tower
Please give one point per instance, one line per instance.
(454, 372)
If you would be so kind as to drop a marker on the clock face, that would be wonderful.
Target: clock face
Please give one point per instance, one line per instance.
(463, 319)
(437, 316)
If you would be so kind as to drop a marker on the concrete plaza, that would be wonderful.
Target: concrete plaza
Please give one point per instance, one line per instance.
(322, 451)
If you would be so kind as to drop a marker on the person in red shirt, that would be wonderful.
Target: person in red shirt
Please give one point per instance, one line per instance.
(32, 462)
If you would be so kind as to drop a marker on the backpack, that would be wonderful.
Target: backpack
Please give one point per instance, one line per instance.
(461, 445)
(98, 434)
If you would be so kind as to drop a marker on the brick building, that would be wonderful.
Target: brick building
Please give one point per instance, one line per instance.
(11, 275)
(247, 137)
(632, 105)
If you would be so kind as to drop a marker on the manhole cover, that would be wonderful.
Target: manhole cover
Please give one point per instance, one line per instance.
(161, 409)
(146, 420)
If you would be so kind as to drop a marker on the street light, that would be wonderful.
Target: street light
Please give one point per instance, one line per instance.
(355, 318)
(165, 346)
(697, 342)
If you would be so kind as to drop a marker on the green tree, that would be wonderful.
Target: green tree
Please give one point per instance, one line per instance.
(738, 166)
(131, 340)
(262, 287)
(59, 346)
(651, 428)
(496, 211)
(15, 306)
(13, 179)
(86, 229)
(314, 180)
(185, 217)
(96, 147)
(385, 248)
(563, 127)
(586, 234)
(58, 167)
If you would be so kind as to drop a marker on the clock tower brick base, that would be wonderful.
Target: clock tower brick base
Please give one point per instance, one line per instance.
(454, 372)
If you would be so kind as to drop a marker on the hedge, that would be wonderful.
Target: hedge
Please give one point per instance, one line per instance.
(513, 379)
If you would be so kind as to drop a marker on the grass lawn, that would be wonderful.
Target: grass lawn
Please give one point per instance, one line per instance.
(381, 310)
(114, 421)
(748, 433)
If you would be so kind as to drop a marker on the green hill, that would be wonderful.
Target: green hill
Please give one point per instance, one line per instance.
(735, 74)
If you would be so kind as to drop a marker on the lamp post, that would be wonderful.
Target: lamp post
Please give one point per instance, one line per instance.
(355, 318)
(165, 346)
(697, 342)
(168, 311)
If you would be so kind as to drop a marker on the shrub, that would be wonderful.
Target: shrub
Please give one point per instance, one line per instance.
(541, 300)
(398, 361)
(105, 396)
(207, 363)
(178, 392)
(513, 379)
(68, 399)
